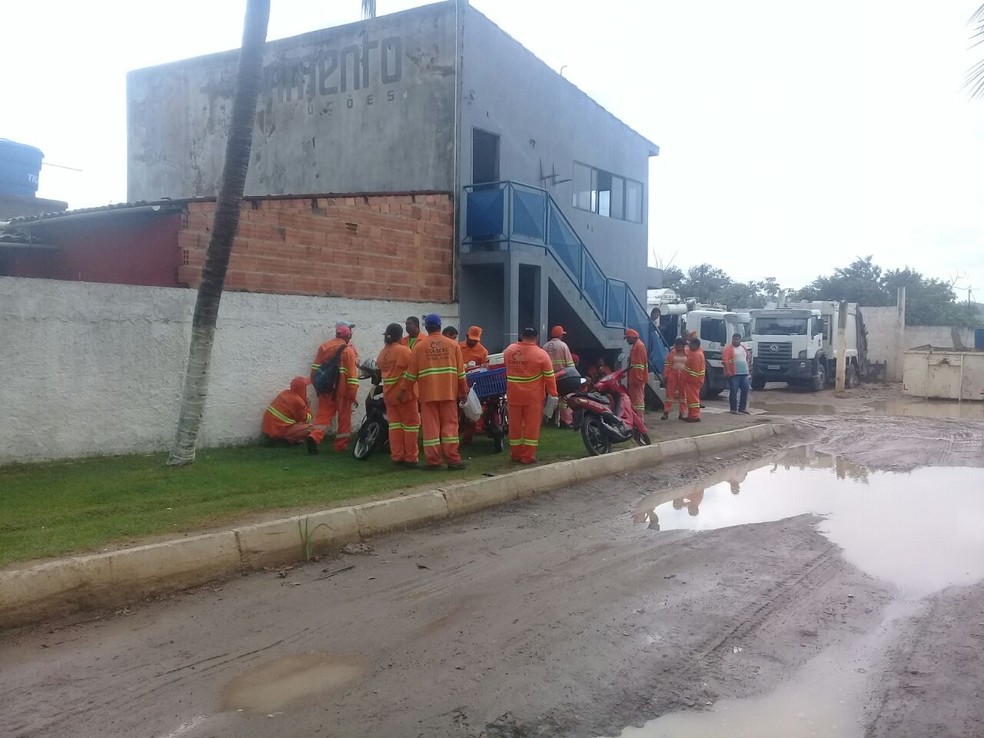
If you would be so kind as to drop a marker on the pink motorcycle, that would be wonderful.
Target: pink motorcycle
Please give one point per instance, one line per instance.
(607, 415)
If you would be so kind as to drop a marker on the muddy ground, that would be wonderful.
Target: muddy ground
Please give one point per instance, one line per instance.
(559, 616)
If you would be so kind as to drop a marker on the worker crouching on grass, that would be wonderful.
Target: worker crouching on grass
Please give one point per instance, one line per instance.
(404, 417)
(439, 374)
(529, 380)
(288, 417)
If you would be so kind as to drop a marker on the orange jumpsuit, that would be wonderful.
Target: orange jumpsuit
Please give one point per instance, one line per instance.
(404, 417)
(288, 417)
(673, 373)
(340, 401)
(638, 375)
(437, 369)
(693, 380)
(529, 379)
(561, 358)
(477, 353)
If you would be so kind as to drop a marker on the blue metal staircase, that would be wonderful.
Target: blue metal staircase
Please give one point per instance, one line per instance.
(508, 215)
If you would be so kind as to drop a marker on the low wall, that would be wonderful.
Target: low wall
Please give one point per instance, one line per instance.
(93, 369)
(883, 338)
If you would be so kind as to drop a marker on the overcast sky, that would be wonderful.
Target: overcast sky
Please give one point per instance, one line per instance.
(794, 136)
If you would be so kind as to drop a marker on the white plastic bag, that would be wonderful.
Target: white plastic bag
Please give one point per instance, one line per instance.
(472, 406)
(550, 406)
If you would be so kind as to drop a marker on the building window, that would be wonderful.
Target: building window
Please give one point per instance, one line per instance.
(606, 194)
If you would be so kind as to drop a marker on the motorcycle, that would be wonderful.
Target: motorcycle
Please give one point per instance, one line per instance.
(489, 384)
(373, 434)
(606, 412)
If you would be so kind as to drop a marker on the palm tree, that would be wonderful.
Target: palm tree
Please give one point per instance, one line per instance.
(368, 8)
(224, 227)
(975, 76)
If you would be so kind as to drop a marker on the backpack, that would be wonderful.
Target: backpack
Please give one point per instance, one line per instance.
(325, 378)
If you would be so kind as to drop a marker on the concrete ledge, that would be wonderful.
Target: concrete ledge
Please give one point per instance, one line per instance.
(116, 578)
(109, 579)
(399, 513)
(279, 541)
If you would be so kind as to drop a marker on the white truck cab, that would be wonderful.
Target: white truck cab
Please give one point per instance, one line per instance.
(797, 344)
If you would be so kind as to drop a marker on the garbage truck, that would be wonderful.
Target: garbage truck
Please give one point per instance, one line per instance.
(797, 344)
(714, 324)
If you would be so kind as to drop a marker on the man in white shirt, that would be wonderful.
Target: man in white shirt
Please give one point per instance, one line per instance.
(737, 360)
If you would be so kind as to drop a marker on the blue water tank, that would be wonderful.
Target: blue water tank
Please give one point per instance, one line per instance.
(979, 338)
(20, 166)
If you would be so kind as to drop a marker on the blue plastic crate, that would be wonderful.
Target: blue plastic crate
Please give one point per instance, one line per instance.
(487, 382)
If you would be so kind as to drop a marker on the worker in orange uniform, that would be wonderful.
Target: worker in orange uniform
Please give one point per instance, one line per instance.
(694, 379)
(473, 353)
(638, 370)
(404, 417)
(340, 401)
(439, 374)
(561, 358)
(288, 417)
(675, 378)
(413, 332)
(529, 380)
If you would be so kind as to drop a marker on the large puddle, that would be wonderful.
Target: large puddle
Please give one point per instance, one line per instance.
(921, 531)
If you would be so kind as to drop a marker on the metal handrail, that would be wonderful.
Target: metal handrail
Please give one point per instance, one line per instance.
(507, 235)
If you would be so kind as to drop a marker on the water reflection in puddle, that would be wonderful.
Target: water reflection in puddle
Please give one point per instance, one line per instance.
(287, 681)
(920, 531)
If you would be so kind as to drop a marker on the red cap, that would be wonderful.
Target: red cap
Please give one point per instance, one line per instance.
(557, 331)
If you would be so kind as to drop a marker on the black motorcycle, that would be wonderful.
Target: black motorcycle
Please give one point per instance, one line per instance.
(373, 434)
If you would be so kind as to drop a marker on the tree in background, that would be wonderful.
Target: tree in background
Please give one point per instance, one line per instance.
(368, 8)
(927, 301)
(859, 282)
(224, 227)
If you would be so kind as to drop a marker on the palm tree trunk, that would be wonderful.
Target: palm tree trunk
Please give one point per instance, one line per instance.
(224, 228)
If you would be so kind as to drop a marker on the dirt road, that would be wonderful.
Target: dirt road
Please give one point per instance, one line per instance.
(562, 616)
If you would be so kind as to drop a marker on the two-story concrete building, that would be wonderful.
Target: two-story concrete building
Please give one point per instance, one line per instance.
(550, 190)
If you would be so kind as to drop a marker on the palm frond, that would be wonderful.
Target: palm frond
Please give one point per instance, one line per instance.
(369, 8)
(974, 80)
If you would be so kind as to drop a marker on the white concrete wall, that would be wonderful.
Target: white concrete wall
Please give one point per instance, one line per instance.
(98, 368)
(883, 338)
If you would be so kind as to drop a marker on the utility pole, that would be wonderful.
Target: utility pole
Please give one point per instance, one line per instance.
(841, 346)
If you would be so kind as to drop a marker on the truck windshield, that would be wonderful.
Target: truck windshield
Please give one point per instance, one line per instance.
(773, 326)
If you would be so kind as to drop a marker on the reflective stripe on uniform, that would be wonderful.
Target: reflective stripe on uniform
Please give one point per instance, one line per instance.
(439, 370)
(451, 439)
(432, 442)
(280, 416)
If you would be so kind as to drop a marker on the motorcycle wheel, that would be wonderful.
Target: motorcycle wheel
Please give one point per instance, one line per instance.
(596, 440)
(641, 439)
(368, 439)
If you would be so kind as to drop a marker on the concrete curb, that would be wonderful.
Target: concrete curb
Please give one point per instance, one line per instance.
(112, 579)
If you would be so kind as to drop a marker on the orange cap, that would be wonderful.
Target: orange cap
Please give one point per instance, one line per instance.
(557, 331)
(631, 333)
(475, 333)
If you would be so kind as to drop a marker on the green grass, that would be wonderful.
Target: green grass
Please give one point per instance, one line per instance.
(59, 508)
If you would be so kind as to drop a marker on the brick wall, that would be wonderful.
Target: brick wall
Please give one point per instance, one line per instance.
(391, 247)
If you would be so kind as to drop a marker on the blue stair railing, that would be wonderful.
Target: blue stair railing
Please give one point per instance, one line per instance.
(500, 214)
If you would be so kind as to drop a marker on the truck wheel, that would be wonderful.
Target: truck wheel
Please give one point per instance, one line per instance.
(819, 380)
(851, 378)
(758, 383)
